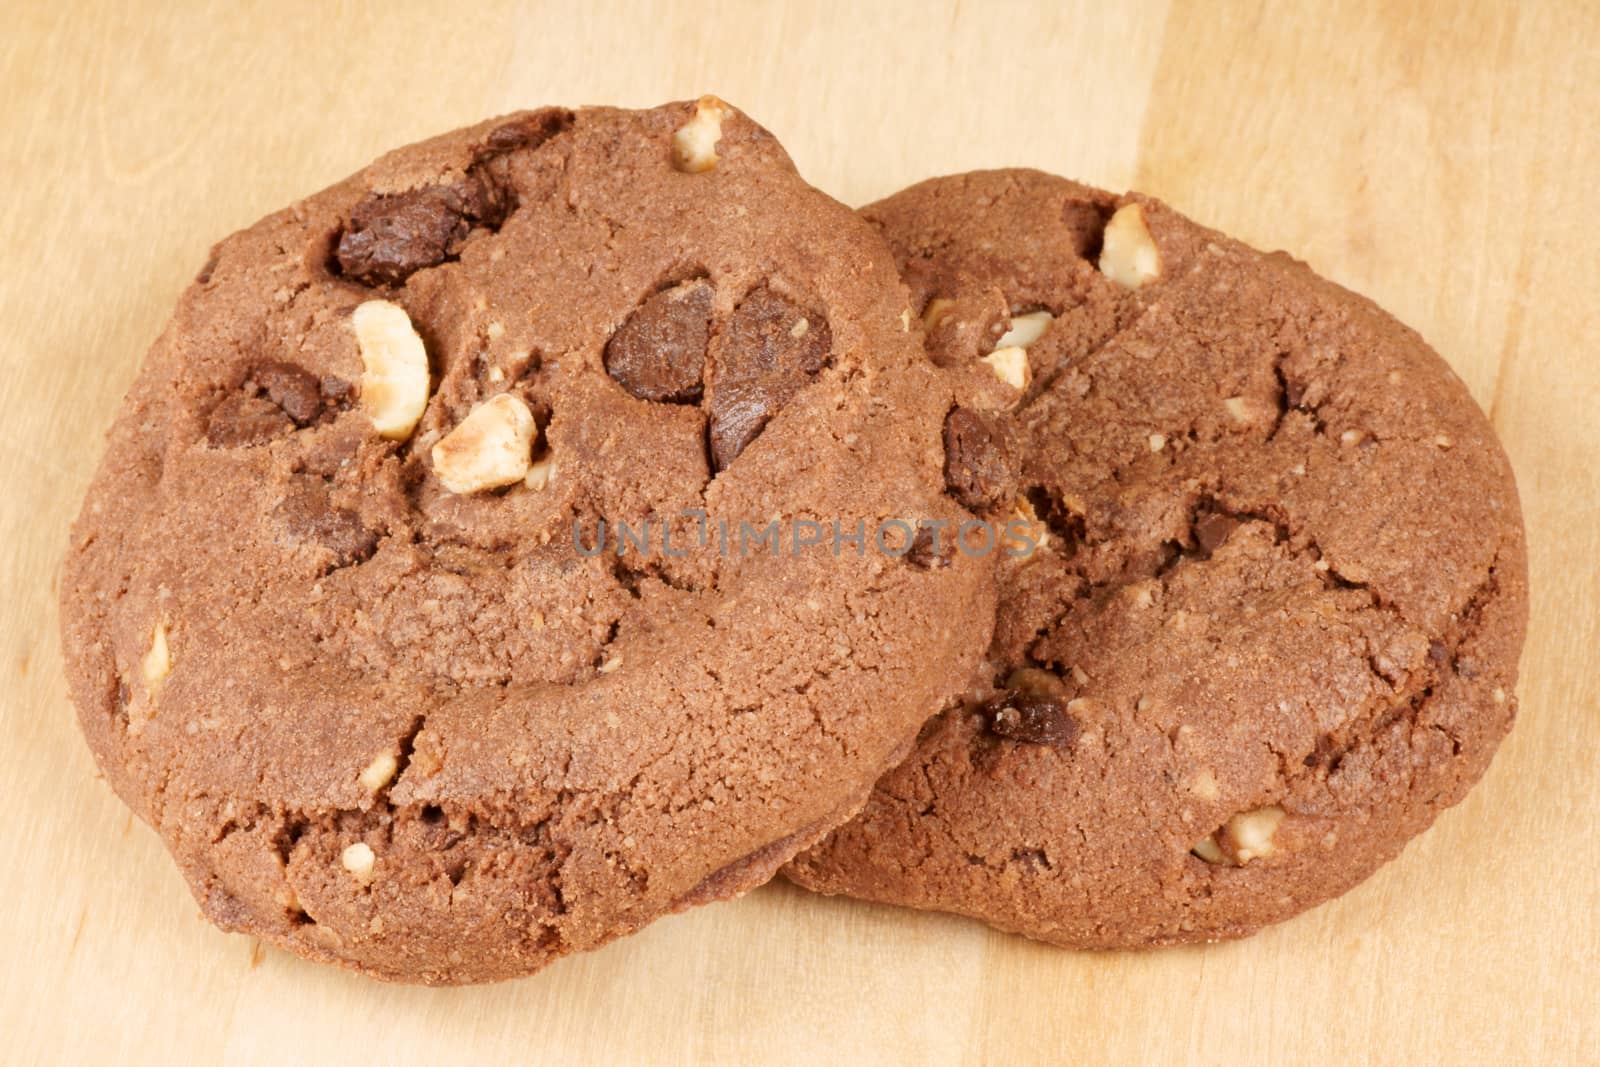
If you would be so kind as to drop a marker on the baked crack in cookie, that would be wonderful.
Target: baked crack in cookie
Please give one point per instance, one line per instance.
(1271, 625)
(411, 603)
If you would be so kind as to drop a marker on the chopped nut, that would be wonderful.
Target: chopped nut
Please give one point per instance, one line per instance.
(157, 662)
(1204, 784)
(1244, 837)
(1251, 832)
(540, 473)
(1025, 329)
(1444, 441)
(359, 860)
(1158, 441)
(380, 772)
(1024, 534)
(1351, 437)
(936, 310)
(905, 321)
(1207, 849)
(694, 146)
(394, 381)
(492, 447)
(1010, 365)
(611, 664)
(1128, 253)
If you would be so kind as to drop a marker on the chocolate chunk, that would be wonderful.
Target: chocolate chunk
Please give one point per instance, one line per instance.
(930, 549)
(296, 391)
(243, 419)
(311, 515)
(659, 352)
(963, 328)
(209, 268)
(391, 236)
(769, 350)
(1212, 529)
(1032, 715)
(528, 131)
(979, 459)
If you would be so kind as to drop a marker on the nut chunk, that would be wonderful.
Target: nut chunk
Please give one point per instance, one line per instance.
(1129, 255)
(492, 447)
(694, 146)
(394, 381)
(157, 662)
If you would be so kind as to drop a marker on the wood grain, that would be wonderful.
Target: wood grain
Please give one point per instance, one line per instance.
(1438, 157)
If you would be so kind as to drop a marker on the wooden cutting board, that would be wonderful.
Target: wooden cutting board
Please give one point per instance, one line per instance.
(1441, 158)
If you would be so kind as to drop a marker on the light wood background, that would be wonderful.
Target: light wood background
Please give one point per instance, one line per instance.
(1442, 158)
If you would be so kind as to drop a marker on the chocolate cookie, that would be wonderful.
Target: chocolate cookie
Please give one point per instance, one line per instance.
(413, 603)
(1268, 625)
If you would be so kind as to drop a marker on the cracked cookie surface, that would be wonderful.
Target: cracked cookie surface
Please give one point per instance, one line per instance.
(329, 628)
(1273, 627)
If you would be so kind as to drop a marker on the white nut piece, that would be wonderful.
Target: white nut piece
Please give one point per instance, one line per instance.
(1025, 329)
(394, 377)
(540, 474)
(492, 447)
(1128, 254)
(380, 772)
(1204, 784)
(1010, 365)
(935, 312)
(1250, 411)
(1244, 837)
(694, 145)
(1250, 832)
(1024, 534)
(157, 662)
(359, 860)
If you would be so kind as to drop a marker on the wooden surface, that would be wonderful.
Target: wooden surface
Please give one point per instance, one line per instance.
(1442, 159)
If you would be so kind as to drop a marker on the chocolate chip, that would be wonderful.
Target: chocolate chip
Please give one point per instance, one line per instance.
(769, 350)
(242, 419)
(659, 352)
(931, 549)
(310, 514)
(528, 131)
(391, 236)
(960, 329)
(979, 459)
(296, 391)
(1030, 717)
(1212, 529)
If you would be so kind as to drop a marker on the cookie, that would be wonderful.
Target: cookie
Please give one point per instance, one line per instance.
(1268, 624)
(486, 560)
